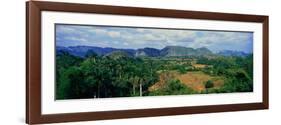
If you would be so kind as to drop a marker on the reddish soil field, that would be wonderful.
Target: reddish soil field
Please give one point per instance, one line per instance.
(195, 80)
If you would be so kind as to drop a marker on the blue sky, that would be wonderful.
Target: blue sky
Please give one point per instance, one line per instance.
(134, 38)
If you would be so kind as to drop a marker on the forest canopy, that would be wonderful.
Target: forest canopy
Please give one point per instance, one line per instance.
(119, 74)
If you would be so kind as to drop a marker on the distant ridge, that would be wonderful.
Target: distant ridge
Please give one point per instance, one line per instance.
(184, 51)
(168, 51)
(232, 53)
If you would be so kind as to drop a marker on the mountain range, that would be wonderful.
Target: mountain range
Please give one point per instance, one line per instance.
(232, 53)
(168, 51)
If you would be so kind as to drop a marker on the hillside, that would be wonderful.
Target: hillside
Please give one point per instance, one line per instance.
(168, 51)
(184, 51)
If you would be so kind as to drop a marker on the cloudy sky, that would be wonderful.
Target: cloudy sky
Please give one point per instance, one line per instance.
(124, 37)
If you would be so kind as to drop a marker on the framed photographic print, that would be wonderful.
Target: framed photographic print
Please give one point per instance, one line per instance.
(94, 62)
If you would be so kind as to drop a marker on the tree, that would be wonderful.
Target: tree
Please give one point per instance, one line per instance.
(173, 87)
(66, 65)
(72, 85)
(209, 84)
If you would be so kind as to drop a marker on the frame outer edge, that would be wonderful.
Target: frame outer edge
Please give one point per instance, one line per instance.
(33, 64)
(33, 61)
(26, 62)
(266, 62)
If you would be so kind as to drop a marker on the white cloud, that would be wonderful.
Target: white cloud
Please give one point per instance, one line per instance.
(114, 34)
(98, 31)
(156, 38)
(65, 29)
(72, 38)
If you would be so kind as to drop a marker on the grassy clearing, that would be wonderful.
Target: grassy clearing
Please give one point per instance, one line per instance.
(194, 79)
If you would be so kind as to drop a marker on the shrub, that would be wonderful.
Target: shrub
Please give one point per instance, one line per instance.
(209, 84)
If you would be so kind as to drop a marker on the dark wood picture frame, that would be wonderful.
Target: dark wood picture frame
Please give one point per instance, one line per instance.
(33, 61)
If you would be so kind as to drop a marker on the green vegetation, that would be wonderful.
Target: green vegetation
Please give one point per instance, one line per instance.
(209, 84)
(173, 87)
(119, 75)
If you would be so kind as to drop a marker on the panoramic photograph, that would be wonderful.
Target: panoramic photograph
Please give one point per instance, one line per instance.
(111, 61)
